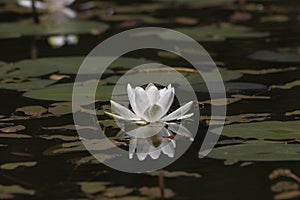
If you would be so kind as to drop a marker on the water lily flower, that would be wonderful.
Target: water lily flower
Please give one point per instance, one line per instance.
(61, 40)
(150, 105)
(52, 6)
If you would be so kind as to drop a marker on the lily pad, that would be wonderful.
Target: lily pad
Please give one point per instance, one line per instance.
(219, 32)
(168, 77)
(17, 29)
(32, 110)
(63, 92)
(275, 130)
(257, 152)
(16, 189)
(12, 166)
(25, 85)
(274, 56)
(92, 187)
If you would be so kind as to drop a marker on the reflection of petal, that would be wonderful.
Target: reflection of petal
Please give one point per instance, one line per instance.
(168, 147)
(152, 93)
(180, 130)
(68, 2)
(28, 4)
(123, 111)
(154, 152)
(141, 100)
(145, 131)
(179, 113)
(142, 149)
(132, 147)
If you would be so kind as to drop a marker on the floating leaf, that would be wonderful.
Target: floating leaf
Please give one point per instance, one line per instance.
(257, 152)
(175, 174)
(16, 189)
(15, 136)
(215, 33)
(13, 129)
(63, 92)
(266, 71)
(95, 144)
(93, 187)
(154, 192)
(32, 110)
(287, 195)
(117, 191)
(12, 166)
(25, 85)
(66, 138)
(284, 186)
(275, 130)
(286, 86)
(17, 29)
(63, 108)
(273, 56)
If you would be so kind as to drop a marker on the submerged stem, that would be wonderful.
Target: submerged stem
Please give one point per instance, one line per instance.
(161, 183)
(35, 15)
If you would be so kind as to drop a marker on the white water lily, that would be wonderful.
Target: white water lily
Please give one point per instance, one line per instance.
(150, 105)
(52, 6)
(61, 40)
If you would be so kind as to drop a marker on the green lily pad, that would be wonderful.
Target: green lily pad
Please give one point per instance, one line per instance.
(5, 68)
(17, 29)
(12, 166)
(215, 33)
(273, 56)
(63, 92)
(16, 189)
(32, 110)
(92, 187)
(275, 130)
(31, 68)
(257, 152)
(25, 85)
(167, 77)
(68, 65)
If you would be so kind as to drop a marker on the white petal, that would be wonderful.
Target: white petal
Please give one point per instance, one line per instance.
(152, 93)
(153, 113)
(28, 4)
(180, 130)
(179, 113)
(69, 12)
(57, 41)
(117, 116)
(72, 39)
(131, 97)
(123, 111)
(166, 99)
(141, 100)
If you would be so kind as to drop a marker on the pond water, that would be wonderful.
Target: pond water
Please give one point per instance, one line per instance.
(39, 163)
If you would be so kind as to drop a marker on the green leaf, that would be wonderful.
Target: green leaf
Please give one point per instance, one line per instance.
(63, 92)
(93, 187)
(25, 85)
(17, 29)
(12, 166)
(274, 56)
(275, 130)
(16, 189)
(257, 152)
